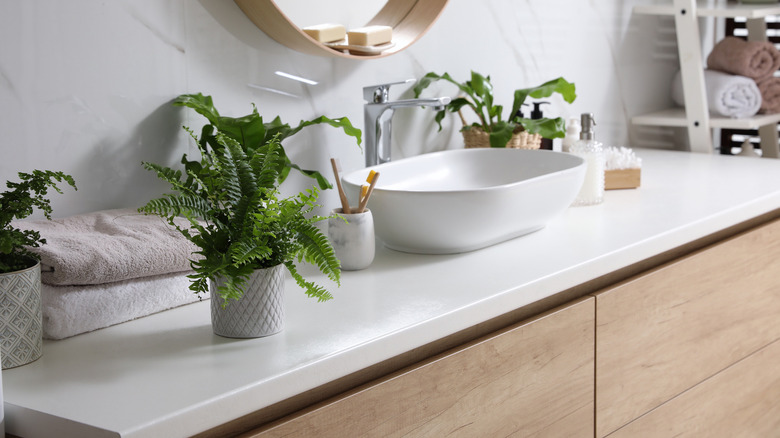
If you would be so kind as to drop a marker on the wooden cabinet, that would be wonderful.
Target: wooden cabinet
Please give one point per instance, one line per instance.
(534, 379)
(741, 401)
(690, 347)
(666, 331)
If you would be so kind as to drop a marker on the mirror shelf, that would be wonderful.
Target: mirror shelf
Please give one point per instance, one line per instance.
(410, 19)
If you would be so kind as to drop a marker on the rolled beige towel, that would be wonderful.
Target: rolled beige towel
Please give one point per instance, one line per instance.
(770, 95)
(757, 60)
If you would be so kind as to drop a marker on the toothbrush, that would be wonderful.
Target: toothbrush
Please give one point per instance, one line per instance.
(344, 202)
(365, 191)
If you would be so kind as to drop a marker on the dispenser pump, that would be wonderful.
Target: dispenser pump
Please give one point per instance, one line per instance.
(588, 122)
(537, 111)
(519, 114)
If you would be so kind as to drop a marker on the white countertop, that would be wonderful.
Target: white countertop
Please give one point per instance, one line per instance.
(168, 375)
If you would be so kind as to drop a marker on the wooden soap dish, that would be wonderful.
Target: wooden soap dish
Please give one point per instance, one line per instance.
(622, 178)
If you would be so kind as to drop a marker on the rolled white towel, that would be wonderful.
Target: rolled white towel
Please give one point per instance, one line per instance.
(727, 95)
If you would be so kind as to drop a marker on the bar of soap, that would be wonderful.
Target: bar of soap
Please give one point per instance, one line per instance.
(327, 32)
(370, 35)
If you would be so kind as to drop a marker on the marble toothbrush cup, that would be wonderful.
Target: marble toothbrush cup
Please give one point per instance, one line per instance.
(352, 237)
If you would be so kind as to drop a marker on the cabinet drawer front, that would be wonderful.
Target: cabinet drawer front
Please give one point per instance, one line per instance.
(533, 379)
(664, 332)
(741, 401)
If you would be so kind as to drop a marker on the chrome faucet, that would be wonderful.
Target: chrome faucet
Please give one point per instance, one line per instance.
(378, 118)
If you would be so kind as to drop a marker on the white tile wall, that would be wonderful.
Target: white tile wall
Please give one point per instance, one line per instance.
(85, 85)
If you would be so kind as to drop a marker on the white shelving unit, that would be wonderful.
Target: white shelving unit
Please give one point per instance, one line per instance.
(695, 116)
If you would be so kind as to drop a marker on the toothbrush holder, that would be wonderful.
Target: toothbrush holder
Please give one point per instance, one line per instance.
(352, 237)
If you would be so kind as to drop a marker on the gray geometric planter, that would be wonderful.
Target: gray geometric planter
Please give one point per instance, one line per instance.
(259, 312)
(21, 320)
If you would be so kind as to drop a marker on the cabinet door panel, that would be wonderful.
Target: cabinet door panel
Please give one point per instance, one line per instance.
(535, 379)
(668, 330)
(741, 401)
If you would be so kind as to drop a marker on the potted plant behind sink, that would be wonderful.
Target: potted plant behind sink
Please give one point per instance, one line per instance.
(21, 318)
(253, 134)
(246, 234)
(492, 130)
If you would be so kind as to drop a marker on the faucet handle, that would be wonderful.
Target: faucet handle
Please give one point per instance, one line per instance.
(380, 93)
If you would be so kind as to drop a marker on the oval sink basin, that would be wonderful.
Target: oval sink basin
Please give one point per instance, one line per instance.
(466, 199)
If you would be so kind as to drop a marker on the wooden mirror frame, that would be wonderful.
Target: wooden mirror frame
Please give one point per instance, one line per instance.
(410, 20)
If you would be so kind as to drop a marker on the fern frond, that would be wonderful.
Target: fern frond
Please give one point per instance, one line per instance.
(178, 205)
(248, 252)
(312, 290)
(172, 177)
(267, 163)
(231, 186)
(317, 250)
(250, 196)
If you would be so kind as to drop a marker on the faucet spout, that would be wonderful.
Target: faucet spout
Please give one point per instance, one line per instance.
(378, 120)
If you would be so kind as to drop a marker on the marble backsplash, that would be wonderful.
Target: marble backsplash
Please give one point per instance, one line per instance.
(86, 85)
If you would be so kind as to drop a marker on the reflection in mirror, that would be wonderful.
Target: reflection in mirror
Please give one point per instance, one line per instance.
(409, 20)
(350, 13)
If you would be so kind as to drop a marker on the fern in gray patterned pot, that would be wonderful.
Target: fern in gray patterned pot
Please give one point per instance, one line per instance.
(238, 220)
(21, 325)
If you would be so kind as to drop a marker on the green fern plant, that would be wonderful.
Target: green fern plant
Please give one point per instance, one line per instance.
(18, 203)
(238, 221)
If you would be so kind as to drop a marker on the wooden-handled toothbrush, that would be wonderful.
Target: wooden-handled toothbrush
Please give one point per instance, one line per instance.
(344, 202)
(365, 191)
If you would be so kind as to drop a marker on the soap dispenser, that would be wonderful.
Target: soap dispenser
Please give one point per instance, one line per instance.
(592, 191)
(519, 114)
(572, 134)
(536, 114)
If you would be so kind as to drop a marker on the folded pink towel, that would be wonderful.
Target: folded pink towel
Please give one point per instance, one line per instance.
(755, 59)
(108, 246)
(770, 95)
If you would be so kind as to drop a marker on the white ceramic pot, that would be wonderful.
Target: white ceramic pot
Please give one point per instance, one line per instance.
(259, 312)
(352, 237)
(21, 319)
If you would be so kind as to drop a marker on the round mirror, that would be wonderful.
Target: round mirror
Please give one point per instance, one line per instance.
(282, 20)
(350, 13)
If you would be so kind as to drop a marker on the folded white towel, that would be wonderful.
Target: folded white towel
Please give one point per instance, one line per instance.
(72, 310)
(108, 246)
(727, 95)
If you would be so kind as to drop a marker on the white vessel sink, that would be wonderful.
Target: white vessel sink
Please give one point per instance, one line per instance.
(466, 199)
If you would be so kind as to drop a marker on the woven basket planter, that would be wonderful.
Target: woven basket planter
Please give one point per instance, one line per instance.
(476, 137)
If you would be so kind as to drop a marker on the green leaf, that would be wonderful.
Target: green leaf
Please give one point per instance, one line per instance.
(560, 85)
(341, 122)
(203, 105)
(278, 129)
(480, 85)
(253, 134)
(249, 131)
(501, 134)
(547, 128)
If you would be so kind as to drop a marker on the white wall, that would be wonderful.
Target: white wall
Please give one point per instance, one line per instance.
(86, 85)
